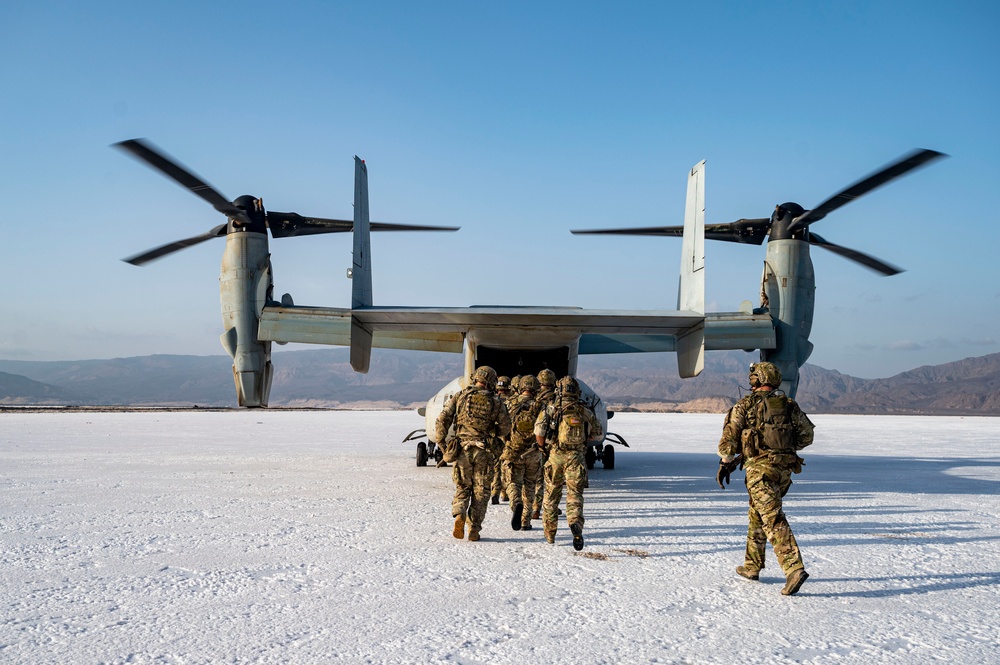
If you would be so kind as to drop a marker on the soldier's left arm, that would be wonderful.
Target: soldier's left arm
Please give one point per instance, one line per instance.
(596, 431)
(444, 420)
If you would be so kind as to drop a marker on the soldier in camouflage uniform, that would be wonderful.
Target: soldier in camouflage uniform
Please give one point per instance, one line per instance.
(762, 433)
(522, 457)
(498, 488)
(572, 424)
(477, 414)
(546, 395)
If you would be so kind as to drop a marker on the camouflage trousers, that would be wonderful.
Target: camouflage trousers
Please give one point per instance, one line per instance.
(521, 473)
(539, 485)
(497, 483)
(472, 473)
(767, 485)
(565, 467)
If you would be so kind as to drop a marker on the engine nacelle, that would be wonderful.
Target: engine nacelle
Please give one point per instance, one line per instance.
(789, 285)
(245, 286)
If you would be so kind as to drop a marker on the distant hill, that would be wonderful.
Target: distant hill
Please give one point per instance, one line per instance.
(17, 389)
(406, 379)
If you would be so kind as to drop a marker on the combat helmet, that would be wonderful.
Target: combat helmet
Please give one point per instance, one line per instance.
(487, 375)
(569, 386)
(503, 383)
(547, 377)
(764, 374)
(528, 383)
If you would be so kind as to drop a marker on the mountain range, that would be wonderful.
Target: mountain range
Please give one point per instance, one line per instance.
(323, 378)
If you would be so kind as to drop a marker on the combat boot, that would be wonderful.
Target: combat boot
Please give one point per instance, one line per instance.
(526, 527)
(550, 536)
(536, 514)
(459, 530)
(743, 571)
(495, 499)
(794, 582)
(577, 530)
(515, 520)
(473, 534)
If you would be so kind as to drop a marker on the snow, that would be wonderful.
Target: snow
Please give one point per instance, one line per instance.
(312, 537)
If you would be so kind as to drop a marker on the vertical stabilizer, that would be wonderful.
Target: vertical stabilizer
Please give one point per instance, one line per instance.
(691, 292)
(361, 269)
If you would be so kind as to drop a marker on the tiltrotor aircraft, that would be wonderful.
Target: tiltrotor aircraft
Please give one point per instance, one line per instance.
(513, 340)
(788, 284)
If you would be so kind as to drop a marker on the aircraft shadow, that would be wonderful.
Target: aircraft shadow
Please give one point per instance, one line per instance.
(915, 584)
(676, 495)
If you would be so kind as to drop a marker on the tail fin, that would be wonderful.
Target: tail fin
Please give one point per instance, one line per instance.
(691, 291)
(361, 270)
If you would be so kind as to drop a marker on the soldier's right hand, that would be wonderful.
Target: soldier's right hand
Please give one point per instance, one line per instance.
(725, 470)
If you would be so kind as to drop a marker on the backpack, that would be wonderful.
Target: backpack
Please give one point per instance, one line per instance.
(522, 422)
(773, 421)
(572, 432)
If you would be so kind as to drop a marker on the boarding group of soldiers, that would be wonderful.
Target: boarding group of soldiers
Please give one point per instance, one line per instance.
(513, 440)
(523, 440)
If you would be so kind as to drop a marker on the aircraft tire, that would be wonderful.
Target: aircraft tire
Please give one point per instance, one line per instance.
(421, 454)
(608, 458)
(589, 457)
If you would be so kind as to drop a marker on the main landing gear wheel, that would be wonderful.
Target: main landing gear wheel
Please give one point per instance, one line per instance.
(422, 454)
(608, 457)
(590, 456)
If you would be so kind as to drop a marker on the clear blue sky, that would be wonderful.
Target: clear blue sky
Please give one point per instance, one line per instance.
(517, 121)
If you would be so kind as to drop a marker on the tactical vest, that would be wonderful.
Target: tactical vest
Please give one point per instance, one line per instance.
(522, 423)
(769, 417)
(572, 432)
(475, 410)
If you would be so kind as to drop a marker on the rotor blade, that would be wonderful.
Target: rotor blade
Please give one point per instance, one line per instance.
(744, 231)
(146, 152)
(900, 167)
(867, 261)
(153, 254)
(290, 224)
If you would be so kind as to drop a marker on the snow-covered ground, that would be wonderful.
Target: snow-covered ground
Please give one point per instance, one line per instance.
(312, 537)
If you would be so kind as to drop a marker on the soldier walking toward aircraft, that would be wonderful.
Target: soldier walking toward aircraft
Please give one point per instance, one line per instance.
(762, 434)
(546, 395)
(522, 457)
(498, 486)
(478, 414)
(571, 424)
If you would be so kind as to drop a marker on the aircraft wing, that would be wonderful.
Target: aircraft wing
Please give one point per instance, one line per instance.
(444, 328)
(723, 331)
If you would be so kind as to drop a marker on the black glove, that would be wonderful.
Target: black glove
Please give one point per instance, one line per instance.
(726, 469)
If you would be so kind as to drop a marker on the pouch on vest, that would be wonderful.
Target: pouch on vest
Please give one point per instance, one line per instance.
(452, 450)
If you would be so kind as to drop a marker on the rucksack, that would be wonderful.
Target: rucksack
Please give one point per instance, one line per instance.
(774, 422)
(572, 425)
(522, 422)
